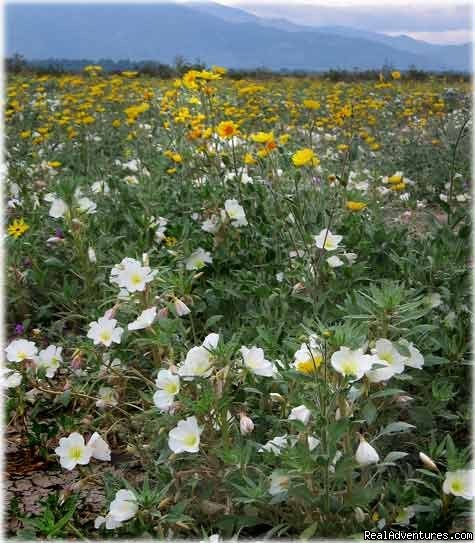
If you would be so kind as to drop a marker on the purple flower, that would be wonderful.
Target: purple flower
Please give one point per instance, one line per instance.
(58, 233)
(19, 329)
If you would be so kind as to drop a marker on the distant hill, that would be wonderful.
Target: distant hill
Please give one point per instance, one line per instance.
(212, 33)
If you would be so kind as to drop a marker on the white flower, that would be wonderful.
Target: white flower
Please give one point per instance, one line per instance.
(131, 180)
(366, 454)
(10, 378)
(278, 443)
(104, 331)
(168, 385)
(133, 165)
(415, 359)
(50, 359)
(107, 397)
(351, 257)
(185, 437)
(100, 449)
(86, 205)
(211, 225)
(58, 208)
(110, 523)
(350, 363)
(21, 349)
(254, 360)
(181, 309)
(279, 483)
(198, 361)
(235, 212)
(100, 186)
(386, 355)
(246, 425)
(460, 483)
(124, 506)
(198, 259)
(335, 262)
(404, 516)
(144, 320)
(162, 227)
(72, 451)
(211, 341)
(129, 274)
(300, 413)
(326, 240)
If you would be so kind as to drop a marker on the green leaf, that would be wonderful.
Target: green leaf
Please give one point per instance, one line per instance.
(309, 532)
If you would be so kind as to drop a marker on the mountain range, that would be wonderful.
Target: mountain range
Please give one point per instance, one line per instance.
(214, 34)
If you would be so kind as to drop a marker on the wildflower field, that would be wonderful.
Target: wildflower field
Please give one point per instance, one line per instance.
(236, 308)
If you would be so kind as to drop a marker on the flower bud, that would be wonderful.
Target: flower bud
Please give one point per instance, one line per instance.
(77, 360)
(162, 313)
(366, 454)
(428, 462)
(181, 308)
(360, 515)
(298, 287)
(245, 423)
(91, 254)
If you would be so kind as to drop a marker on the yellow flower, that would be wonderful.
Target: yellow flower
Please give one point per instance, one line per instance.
(262, 137)
(116, 123)
(227, 129)
(310, 365)
(54, 164)
(218, 70)
(175, 157)
(17, 228)
(284, 139)
(342, 147)
(395, 179)
(396, 75)
(311, 104)
(355, 206)
(25, 134)
(249, 159)
(170, 241)
(305, 157)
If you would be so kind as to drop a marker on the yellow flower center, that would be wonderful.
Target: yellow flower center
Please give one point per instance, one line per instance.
(349, 367)
(136, 279)
(105, 336)
(22, 355)
(190, 440)
(457, 486)
(171, 388)
(387, 357)
(75, 453)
